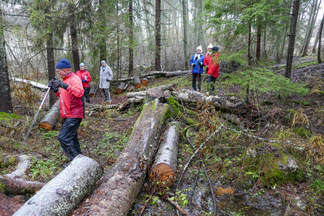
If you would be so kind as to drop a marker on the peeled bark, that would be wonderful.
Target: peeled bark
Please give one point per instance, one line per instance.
(165, 164)
(65, 191)
(137, 82)
(50, 119)
(123, 181)
(120, 88)
(176, 73)
(145, 81)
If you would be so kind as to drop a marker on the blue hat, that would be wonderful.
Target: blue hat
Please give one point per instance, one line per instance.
(215, 49)
(63, 64)
(82, 64)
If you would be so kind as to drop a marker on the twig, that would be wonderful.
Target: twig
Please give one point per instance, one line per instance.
(147, 202)
(196, 152)
(253, 136)
(177, 206)
(210, 184)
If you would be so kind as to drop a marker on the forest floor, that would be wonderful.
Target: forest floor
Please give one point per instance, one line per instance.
(245, 162)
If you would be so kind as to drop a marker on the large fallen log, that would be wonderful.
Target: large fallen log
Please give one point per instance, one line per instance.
(32, 83)
(176, 73)
(137, 82)
(165, 165)
(50, 119)
(225, 103)
(120, 87)
(65, 191)
(93, 89)
(13, 183)
(122, 182)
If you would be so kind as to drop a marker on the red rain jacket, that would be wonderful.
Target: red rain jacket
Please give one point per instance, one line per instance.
(71, 103)
(207, 59)
(213, 66)
(82, 74)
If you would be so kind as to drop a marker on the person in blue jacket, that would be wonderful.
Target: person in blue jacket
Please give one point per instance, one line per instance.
(197, 63)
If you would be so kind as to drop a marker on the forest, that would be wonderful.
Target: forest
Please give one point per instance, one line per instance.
(213, 107)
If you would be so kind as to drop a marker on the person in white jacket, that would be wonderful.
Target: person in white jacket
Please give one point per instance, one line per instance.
(106, 75)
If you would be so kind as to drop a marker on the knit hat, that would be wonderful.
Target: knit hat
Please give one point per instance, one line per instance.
(200, 48)
(215, 49)
(63, 64)
(210, 46)
(82, 64)
(103, 61)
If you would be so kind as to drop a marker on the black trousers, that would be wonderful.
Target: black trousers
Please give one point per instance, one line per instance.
(86, 94)
(211, 84)
(196, 77)
(68, 137)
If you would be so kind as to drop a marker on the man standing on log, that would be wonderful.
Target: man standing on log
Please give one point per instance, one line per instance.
(213, 70)
(197, 63)
(86, 79)
(106, 76)
(70, 93)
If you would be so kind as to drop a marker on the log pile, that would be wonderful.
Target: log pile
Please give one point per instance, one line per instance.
(165, 165)
(50, 119)
(65, 191)
(122, 182)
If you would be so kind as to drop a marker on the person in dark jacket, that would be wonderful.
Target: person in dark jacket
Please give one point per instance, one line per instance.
(85, 79)
(197, 63)
(70, 93)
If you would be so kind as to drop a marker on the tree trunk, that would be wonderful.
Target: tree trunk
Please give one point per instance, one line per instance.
(320, 41)
(176, 73)
(50, 119)
(131, 40)
(117, 41)
(158, 35)
(5, 97)
(137, 82)
(185, 33)
(165, 165)
(123, 181)
(50, 55)
(102, 40)
(65, 191)
(292, 35)
(249, 46)
(316, 41)
(258, 45)
(74, 37)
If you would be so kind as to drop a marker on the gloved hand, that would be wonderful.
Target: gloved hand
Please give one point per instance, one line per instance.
(200, 63)
(108, 80)
(193, 65)
(54, 84)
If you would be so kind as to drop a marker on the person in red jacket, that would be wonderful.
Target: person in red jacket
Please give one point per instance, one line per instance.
(86, 79)
(208, 57)
(70, 93)
(213, 70)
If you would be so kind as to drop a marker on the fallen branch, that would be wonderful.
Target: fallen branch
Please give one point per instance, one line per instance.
(177, 206)
(253, 136)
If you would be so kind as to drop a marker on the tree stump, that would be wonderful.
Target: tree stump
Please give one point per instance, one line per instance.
(165, 165)
(50, 119)
(137, 82)
(123, 181)
(65, 191)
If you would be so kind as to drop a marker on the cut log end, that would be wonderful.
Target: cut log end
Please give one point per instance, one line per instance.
(163, 173)
(118, 91)
(166, 74)
(91, 94)
(46, 126)
(138, 85)
(144, 82)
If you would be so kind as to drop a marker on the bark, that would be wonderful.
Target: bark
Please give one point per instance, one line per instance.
(145, 81)
(66, 190)
(320, 41)
(170, 87)
(32, 83)
(224, 103)
(123, 181)
(153, 93)
(165, 165)
(131, 39)
(117, 40)
(316, 41)
(120, 87)
(158, 35)
(176, 73)
(74, 37)
(5, 97)
(50, 119)
(8, 206)
(137, 82)
(136, 94)
(93, 89)
(97, 107)
(249, 46)
(185, 32)
(258, 45)
(102, 40)
(292, 36)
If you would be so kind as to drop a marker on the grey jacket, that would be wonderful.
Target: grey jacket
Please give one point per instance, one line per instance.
(104, 75)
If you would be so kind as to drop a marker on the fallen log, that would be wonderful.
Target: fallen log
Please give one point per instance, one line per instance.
(225, 103)
(120, 87)
(98, 107)
(93, 89)
(136, 94)
(32, 83)
(50, 119)
(65, 191)
(176, 73)
(122, 182)
(165, 165)
(145, 81)
(137, 82)
(8, 206)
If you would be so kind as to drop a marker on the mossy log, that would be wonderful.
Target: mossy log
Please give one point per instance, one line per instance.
(50, 119)
(145, 81)
(165, 165)
(224, 103)
(120, 87)
(123, 181)
(137, 82)
(176, 73)
(65, 191)
(181, 112)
